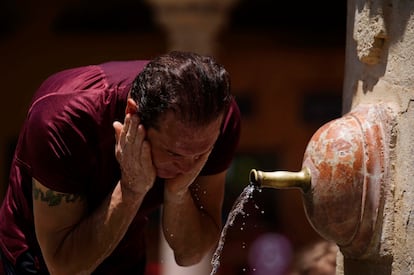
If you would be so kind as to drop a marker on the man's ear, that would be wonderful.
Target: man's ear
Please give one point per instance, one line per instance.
(132, 107)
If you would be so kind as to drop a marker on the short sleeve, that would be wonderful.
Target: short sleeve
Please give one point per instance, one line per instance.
(52, 147)
(226, 144)
(55, 145)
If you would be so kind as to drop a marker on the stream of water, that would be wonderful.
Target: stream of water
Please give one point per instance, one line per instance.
(235, 211)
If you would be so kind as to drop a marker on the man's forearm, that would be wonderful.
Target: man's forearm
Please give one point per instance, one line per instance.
(189, 230)
(86, 245)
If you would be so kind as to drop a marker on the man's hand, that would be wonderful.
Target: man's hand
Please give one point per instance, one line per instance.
(133, 153)
(176, 188)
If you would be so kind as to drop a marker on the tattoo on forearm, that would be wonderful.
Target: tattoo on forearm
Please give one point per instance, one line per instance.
(53, 198)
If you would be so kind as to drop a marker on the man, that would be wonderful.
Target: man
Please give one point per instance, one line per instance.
(82, 183)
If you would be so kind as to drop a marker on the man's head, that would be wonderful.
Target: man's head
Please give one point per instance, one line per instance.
(194, 87)
(181, 99)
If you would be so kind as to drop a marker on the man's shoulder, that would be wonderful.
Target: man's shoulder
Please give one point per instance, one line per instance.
(117, 71)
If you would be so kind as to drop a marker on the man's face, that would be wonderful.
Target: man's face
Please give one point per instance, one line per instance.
(176, 147)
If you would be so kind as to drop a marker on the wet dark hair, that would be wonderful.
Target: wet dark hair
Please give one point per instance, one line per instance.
(195, 87)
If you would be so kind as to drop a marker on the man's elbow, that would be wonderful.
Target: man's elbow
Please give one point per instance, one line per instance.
(188, 260)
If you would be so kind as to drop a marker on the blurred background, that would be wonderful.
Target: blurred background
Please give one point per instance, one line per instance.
(285, 58)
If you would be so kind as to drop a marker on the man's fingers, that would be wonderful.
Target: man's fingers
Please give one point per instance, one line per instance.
(141, 135)
(146, 159)
(118, 128)
(122, 136)
(132, 129)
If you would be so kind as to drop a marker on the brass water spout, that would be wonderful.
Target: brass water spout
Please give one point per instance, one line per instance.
(282, 179)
